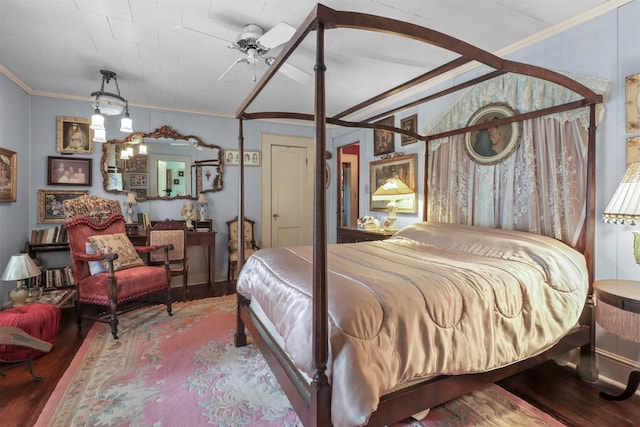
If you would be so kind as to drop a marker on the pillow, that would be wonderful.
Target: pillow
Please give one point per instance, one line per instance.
(117, 244)
(95, 267)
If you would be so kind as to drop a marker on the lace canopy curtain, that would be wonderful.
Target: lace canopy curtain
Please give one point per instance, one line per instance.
(539, 188)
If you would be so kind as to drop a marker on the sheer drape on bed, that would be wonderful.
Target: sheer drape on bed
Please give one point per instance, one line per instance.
(538, 193)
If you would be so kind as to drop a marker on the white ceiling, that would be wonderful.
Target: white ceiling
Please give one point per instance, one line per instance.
(57, 47)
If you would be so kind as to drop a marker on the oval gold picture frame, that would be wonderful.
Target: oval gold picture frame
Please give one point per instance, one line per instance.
(492, 145)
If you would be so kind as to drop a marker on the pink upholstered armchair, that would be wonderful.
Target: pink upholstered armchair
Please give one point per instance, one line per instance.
(107, 267)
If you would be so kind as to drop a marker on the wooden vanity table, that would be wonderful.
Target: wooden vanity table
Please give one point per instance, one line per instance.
(194, 238)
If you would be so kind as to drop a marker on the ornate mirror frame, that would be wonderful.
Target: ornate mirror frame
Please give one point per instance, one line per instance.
(134, 175)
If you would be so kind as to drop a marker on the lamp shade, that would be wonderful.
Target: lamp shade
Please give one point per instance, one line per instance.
(393, 189)
(201, 199)
(131, 199)
(624, 206)
(20, 267)
(126, 124)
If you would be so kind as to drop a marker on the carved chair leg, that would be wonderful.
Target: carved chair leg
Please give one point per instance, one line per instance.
(169, 309)
(185, 286)
(113, 321)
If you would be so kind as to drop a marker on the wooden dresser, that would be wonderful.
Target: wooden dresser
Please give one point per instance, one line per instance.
(354, 235)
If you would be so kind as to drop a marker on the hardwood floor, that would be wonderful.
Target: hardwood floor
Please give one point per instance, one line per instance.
(554, 389)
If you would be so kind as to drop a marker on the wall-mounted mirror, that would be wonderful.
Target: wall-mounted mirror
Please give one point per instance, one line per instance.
(161, 165)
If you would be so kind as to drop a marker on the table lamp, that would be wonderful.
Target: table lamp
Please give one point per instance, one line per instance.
(131, 200)
(393, 190)
(202, 202)
(624, 206)
(19, 268)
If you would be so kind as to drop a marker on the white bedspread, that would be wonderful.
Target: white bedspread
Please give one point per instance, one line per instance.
(434, 299)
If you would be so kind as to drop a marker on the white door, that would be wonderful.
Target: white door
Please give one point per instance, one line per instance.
(287, 193)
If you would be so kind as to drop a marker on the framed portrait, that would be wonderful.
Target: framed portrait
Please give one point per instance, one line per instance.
(405, 168)
(8, 175)
(632, 103)
(50, 206)
(139, 192)
(493, 144)
(251, 158)
(138, 179)
(69, 171)
(74, 135)
(208, 176)
(137, 164)
(411, 124)
(383, 140)
(633, 150)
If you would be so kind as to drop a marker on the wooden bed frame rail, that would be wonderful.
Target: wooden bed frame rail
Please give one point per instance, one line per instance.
(312, 402)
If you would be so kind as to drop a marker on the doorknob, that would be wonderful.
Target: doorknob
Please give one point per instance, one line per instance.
(275, 216)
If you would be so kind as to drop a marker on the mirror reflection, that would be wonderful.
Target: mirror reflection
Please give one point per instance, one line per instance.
(348, 183)
(161, 165)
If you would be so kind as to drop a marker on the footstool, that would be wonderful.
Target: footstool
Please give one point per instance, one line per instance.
(41, 321)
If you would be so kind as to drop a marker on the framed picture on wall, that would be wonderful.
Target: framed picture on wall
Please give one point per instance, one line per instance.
(137, 164)
(69, 171)
(74, 135)
(493, 144)
(403, 167)
(411, 124)
(632, 87)
(138, 179)
(50, 206)
(208, 176)
(383, 140)
(633, 150)
(8, 175)
(251, 158)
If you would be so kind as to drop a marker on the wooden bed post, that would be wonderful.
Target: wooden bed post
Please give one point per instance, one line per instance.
(240, 336)
(588, 364)
(320, 402)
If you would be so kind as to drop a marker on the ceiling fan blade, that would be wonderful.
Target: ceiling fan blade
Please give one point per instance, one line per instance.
(193, 30)
(295, 73)
(231, 66)
(276, 36)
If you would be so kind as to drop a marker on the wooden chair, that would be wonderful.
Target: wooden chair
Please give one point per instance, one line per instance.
(171, 233)
(250, 245)
(106, 266)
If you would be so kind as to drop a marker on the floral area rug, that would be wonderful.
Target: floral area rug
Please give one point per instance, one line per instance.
(184, 371)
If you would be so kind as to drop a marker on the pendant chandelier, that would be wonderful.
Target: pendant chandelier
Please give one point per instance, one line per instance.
(109, 104)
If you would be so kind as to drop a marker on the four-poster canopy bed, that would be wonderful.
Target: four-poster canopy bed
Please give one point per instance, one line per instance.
(346, 300)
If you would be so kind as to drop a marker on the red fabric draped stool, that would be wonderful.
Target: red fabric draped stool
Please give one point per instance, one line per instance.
(41, 321)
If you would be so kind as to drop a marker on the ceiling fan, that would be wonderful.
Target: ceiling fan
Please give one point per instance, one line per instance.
(256, 44)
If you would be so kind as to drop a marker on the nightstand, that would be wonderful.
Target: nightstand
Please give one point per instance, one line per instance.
(354, 235)
(618, 311)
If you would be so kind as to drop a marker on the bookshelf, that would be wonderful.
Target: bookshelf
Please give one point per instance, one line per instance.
(53, 277)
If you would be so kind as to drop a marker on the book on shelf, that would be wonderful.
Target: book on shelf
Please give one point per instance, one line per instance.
(57, 234)
(60, 277)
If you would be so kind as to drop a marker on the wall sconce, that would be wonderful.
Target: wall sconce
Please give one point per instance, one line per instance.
(109, 104)
(393, 190)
